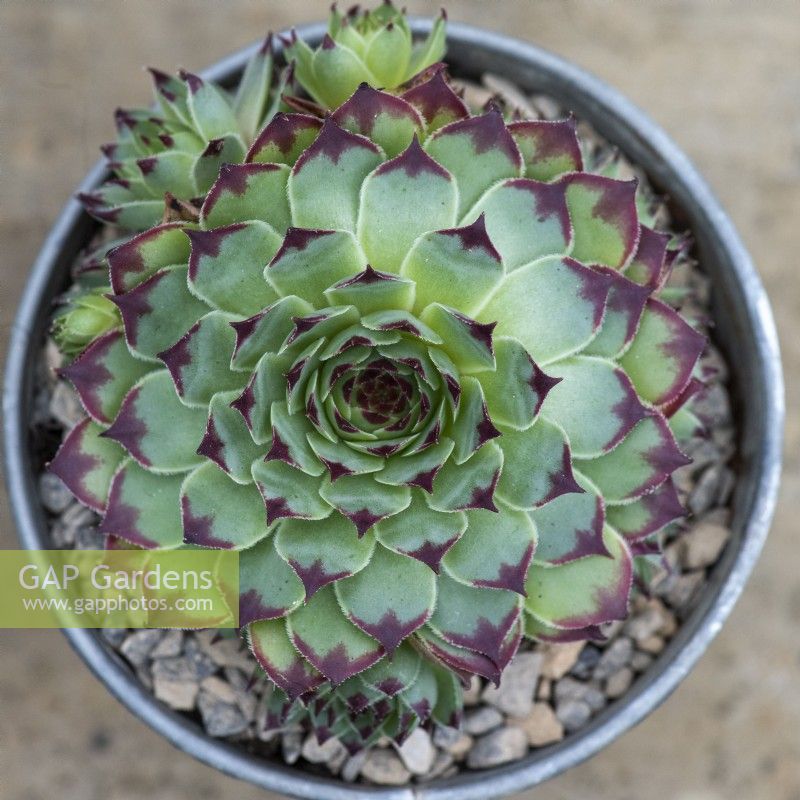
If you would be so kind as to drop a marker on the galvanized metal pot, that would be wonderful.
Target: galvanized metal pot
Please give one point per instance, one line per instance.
(745, 330)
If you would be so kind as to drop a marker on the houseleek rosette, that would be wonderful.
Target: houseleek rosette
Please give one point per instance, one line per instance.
(411, 363)
(178, 146)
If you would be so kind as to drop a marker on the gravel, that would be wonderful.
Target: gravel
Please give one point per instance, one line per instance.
(548, 692)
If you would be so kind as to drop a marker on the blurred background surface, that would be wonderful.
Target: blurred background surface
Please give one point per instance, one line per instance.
(721, 76)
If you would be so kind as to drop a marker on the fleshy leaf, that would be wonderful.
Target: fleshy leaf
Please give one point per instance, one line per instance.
(170, 171)
(267, 386)
(436, 101)
(371, 291)
(537, 466)
(284, 138)
(340, 459)
(458, 267)
(604, 218)
(403, 198)
(473, 427)
(467, 342)
(144, 508)
(647, 515)
(643, 460)
(288, 492)
(157, 312)
(199, 362)
(290, 444)
(226, 150)
(385, 119)
(571, 526)
(227, 441)
(648, 267)
(589, 591)
(663, 354)
(421, 532)
(276, 653)
(103, 374)
(495, 552)
(549, 147)
(554, 307)
(261, 598)
(309, 261)
(321, 553)
(211, 112)
(159, 431)
(85, 462)
(458, 487)
(475, 618)
(418, 469)
(336, 647)
(517, 388)
(363, 501)
(252, 94)
(478, 152)
(218, 512)
(594, 402)
(227, 264)
(248, 191)
(143, 255)
(399, 670)
(340, 161)
(378, 599)
(525, 220)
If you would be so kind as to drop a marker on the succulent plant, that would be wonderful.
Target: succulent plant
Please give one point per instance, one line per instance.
(374, 47)
(412, 364)
(178, 146)
(85, 316)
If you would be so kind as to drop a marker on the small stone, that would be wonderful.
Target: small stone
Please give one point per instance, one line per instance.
(641, 661)
(182, 668)
(65, 407)
(652, 645)
(587, 661)
(617, 655)
(228, 652)
(417, 752)
(569, 689)
(683, 589)
(481, 720)
(66, 527)
(201, 663)
(180, 695)
(727, 483)
(573, 714)
(559, 659)
(514, 695)
(454, 741)
(144, 676)
(89, 538)
(53, 493)
(441, 764)
(246, 695)
(501, 746)
(510, 93)
(219, 688)
(138, 646)
(385, 768)
(170, 645)
(702, 546)
(291, 745)
(352, 767)
(472, 694)
(705, 491)
(643, 625)
(332, 752)
(114, 636)
(544, 689)
(541, 726)
(220, 718)
(619, 683)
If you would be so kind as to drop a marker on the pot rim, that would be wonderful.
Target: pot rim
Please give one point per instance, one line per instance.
(629, 128)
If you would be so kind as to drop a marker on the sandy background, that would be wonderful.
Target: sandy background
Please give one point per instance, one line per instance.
(722, 76)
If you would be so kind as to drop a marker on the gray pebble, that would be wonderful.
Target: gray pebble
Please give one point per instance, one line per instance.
(704, 494)
(481, 720)
(53, 493)
(615, 656)
(472, 694)
(291, 745)
(384, 767)
(619, 683)
(515, 694)
(65, 407)
(587, 661)
(352, 767)
(681, 591)
(498, 747)
(202, 665)
(138, 645)
(641, 661)
(569, 689)
(454, 741)
(89, 538)
(114, 636)
(180, 695)
(702, 546)
(171, 644)
(417, 752)
(182, 668)
(441, 764)
(219, 718)
(332, 752)
(573, 714)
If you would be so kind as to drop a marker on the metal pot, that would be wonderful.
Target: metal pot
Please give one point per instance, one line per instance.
(745, 330)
